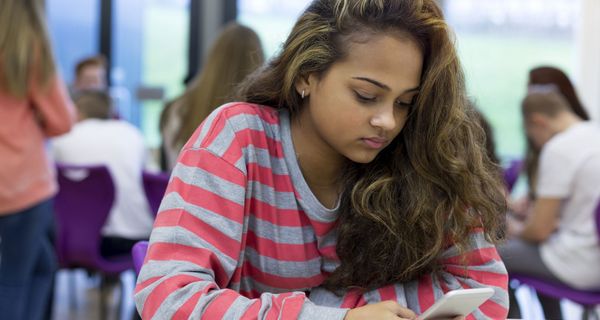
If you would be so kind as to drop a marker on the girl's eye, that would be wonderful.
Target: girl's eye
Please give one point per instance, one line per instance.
(405, 104)
(364, 98)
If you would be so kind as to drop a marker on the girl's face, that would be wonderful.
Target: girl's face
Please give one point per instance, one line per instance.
(356, 108)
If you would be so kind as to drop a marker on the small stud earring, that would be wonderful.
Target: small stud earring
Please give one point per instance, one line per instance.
(302, 95)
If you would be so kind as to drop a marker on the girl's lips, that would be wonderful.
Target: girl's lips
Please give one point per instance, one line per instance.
(375, 143)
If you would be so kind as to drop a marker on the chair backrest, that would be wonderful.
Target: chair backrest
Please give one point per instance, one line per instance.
(598, 220)
(82, 205)
(155, 185)
(138, 253)
(512, 172)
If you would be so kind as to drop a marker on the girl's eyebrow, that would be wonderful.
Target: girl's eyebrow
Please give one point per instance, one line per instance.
(381, 85)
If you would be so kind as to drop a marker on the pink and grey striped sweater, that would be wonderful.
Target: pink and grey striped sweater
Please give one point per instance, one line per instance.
(239, 235)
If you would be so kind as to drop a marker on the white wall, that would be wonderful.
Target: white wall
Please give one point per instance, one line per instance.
(587, 74)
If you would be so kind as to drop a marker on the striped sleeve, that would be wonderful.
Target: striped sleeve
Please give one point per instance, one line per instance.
(483, 268)
(195, 247)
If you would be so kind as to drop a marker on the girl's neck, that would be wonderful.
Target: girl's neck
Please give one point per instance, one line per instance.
(321, 166)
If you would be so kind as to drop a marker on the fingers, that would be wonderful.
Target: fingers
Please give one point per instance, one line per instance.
(399, 310)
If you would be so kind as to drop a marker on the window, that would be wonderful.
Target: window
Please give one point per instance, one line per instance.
(74, 30)
(499, 41)
(150, 41)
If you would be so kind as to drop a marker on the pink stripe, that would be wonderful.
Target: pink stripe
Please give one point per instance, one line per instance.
(282, 251)
(143, 285)
(259, 139)
(252, 312)
(475, 257)
(209, 201)
(200, 256)
(226, 245)
(188, 307)
(265, 176)
(279, 282)
(351, 299)
(322, 228)
(214, 165)
(494, 310)
(164, 289)
(277, 216)
(217, 308)
(425, 292)
(484, 277)
(329, 252)
(286, 306)
(388, 293)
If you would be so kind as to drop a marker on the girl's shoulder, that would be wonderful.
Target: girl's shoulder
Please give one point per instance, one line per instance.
(247, 110)
(240, 116)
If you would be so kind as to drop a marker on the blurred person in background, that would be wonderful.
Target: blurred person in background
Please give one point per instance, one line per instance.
(558, 241)
(546, 78)
(236, 53)
(90, 74)
(34, 105)
(99, 140)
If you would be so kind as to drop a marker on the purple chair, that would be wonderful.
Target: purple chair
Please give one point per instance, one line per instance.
(512, 172)
(82, 205)
(138, 252)
(587, 299)
(155, 185)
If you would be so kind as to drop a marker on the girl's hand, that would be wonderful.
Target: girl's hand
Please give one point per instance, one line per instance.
(380, 311)
(383, 311)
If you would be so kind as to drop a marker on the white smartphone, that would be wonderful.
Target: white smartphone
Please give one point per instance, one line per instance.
(457, 303)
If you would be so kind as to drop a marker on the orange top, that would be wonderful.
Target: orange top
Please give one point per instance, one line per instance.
(26, 175)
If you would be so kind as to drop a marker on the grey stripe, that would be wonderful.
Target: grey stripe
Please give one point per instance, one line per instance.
(329, 265)
(248, 284)
(228, 227)
(304, 269)
(281, 234)
(160, 268)
(263, 157)
(170, 305)
(203, 303)
(254, 122)
(400, 294)
(323, 297)
(476, 241)
(265, 193)
(311, 311)
(329, 239)
(411, 289)
(372, 296)
(141, 296)
(208, 181)
(438, 293)
(238, 308)
(180, 236)
(500, 295)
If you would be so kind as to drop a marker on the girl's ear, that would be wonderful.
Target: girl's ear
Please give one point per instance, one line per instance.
(303, 85)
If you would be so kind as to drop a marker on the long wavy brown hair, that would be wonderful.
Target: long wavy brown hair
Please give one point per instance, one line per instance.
(433, 184)
(24, 43)
(236, 53)
(548, 75)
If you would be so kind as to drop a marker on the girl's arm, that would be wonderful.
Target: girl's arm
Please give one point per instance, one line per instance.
(53, 105)
(196, 245)
(483, 269)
